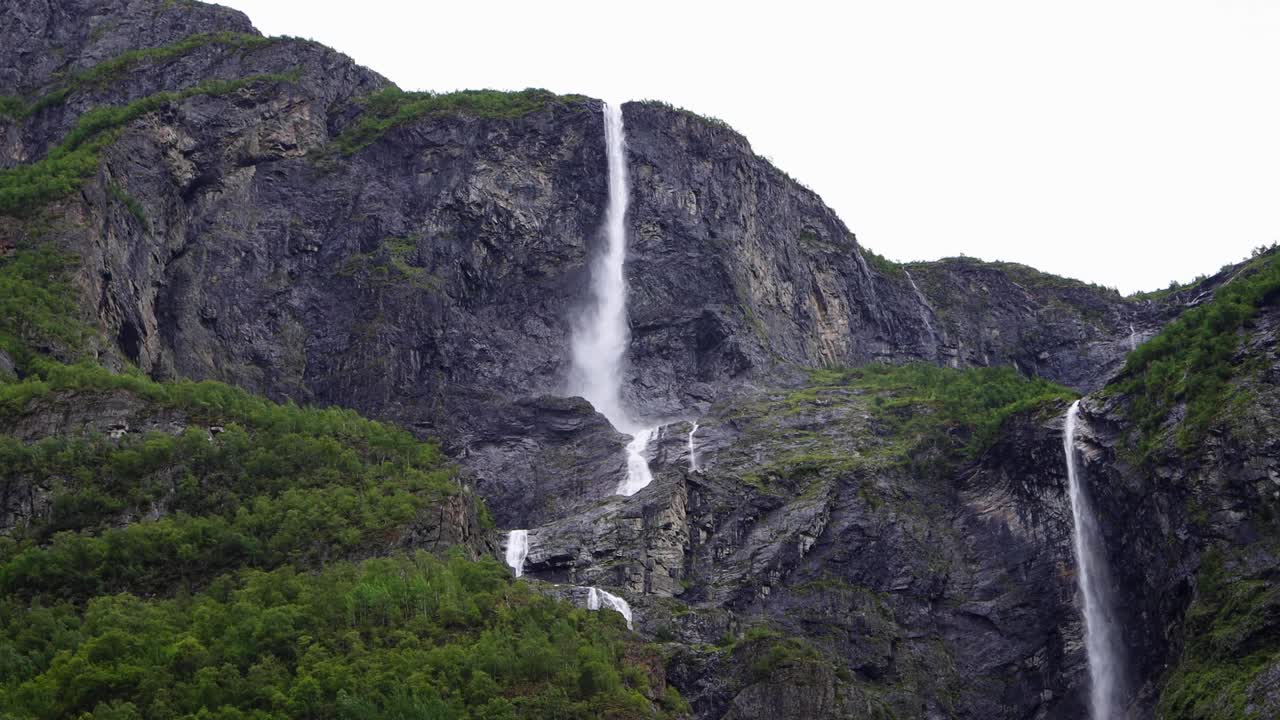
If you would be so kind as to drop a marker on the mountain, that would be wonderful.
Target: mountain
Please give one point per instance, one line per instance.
(871, 517)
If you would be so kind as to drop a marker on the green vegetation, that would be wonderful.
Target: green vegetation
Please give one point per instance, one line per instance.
(882, 264)
(1232, 634)
(274, 484)
(1174, 286)
(37, 307)
(957, 411)
(205, 574)
(131, 204)
(1192, 361)
(25, 188)
(12, 108)
(393, 107)
(1024, 275)
(406, 637)
(918, 416)
(99, 75)
(390, 264)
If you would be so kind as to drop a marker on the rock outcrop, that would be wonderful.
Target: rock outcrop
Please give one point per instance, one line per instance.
(817, 561)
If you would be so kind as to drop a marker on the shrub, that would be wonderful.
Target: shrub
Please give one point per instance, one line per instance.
(395, 637)
(1192, 360)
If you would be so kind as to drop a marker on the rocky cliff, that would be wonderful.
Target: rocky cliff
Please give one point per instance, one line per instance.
(266, 213)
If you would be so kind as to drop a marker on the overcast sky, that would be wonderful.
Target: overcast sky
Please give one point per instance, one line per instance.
(1123, 142)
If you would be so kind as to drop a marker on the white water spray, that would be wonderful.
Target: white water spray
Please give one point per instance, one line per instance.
(638, 473)
(693, 449)
(597, 598)
(517, 550)
(1133, 338)
(1100, 633)
(601, 335)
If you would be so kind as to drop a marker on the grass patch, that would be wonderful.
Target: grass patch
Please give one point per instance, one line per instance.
(107, 71)
(960, 411)
(393, 107)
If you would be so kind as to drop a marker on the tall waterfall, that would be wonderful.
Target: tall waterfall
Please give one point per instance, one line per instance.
(601, 335)
(517, 550)
(1102, 643)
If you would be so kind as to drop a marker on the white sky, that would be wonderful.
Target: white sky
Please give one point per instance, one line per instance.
(1123, 142)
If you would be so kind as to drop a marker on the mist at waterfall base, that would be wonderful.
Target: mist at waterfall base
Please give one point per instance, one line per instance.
(601, 333)
(1101, 632)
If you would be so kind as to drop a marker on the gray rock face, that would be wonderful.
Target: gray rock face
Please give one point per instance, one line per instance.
(950, 593)
(43, 38)
(432, 277)
(7, 369)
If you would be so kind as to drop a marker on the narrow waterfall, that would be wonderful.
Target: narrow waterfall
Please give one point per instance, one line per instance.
(597, 598)
(517, 550)
(1133, 338)
(926, 310)
(601, 335)
(1102, 643)
(693, 449)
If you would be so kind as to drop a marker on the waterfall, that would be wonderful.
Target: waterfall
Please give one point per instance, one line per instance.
(693, 450)
(638, 473)
(596, 598)
(925, 311)
(517, 550)
(1133, 339)
(1102, 645)
(601, 334)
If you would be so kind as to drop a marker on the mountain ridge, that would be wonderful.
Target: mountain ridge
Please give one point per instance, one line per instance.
(877, 522)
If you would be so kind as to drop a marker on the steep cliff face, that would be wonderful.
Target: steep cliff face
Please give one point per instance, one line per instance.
(430, 273)
(822, 561)
(266, 213)
(1192, 531)
(45, 41)
(443, 262)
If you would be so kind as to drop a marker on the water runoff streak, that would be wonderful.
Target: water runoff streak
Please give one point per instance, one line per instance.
(601, 334)
(1102, 644)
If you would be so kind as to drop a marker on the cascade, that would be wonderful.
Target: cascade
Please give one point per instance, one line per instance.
(693, 450)
(1133, 338)
(1102, 646)
(517, 550)
(597, 598)
(601, 335)
(638, 474)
